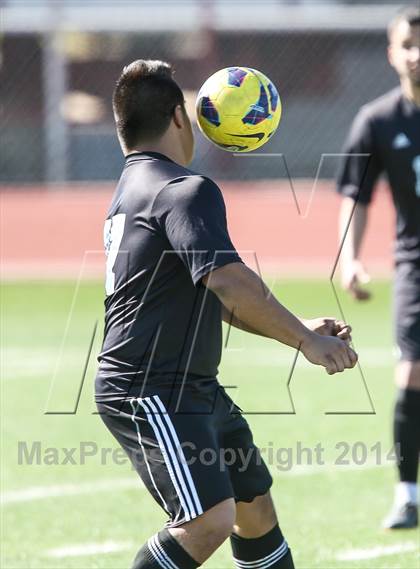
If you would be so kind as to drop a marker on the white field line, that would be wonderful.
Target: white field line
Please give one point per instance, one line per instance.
(61, 490)
(115, 547)
(374, 552)
(88, 549)
(19, 364)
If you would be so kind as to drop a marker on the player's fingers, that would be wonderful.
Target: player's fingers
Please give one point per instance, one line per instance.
(334, 364)
(345, 337)
(343, 357)
(353, 356)
(344, 333)
(349, 356)
(353, 287)
(362, 294)
(340, 325)
(347, 359)
(363, 276)
(328, 326)
(341, 361)
(330, 365)
(351, 291)
(359, 293)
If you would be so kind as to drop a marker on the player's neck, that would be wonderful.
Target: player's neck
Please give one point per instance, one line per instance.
(149, 148)
(169, 150)
(411, 91)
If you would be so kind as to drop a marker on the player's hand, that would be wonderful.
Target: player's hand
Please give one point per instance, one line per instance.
(330, 327)
(330, 352)
(353, 275)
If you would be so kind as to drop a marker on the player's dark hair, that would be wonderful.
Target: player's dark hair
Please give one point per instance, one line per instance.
(410, 14)
(144, 101)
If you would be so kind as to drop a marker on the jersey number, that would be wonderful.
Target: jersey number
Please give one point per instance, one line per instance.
(416, 168)
(113, 233)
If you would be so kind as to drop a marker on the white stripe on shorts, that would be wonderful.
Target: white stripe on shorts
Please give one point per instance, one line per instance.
(180, 453)
(133, 418)
(170, 457)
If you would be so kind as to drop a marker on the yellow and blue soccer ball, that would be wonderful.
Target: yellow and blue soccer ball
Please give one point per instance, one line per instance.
(238, 109)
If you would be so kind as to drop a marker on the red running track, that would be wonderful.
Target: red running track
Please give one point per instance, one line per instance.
(46, 233)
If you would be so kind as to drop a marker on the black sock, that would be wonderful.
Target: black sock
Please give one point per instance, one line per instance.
(162, 551)
(407, 433)
(267, 552)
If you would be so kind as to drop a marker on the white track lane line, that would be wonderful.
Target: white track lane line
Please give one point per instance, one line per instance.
(85, 549)
(374, 552)
(59, 490)
(62, 490)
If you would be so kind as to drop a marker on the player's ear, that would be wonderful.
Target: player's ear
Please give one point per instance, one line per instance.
(179, 116)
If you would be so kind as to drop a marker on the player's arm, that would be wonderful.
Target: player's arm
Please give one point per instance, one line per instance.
(230, 318)
(191, 214)
(244, 294)
(324, 326)
(351, 234)
(360, 169)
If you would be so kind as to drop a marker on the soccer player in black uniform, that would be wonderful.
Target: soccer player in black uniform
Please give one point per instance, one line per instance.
(172, 275)
(388, 130)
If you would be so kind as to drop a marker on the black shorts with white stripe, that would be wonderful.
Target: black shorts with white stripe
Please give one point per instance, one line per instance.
(191, 452)
(407, 309)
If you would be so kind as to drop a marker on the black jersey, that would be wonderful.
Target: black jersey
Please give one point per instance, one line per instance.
(388, 130)
(166, 228)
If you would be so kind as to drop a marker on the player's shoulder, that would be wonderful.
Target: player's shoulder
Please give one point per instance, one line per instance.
(192, 182)
(161, 173)
(190, 186)
(186, 189)
(181, 180)
(383, 107)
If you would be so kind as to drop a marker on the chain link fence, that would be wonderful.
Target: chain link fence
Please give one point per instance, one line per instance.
(57, 81)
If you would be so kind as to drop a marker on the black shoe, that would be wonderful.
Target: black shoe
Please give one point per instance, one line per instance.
(402, 517)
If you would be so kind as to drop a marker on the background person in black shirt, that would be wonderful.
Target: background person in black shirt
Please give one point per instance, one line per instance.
(172, 275)
(388, 130)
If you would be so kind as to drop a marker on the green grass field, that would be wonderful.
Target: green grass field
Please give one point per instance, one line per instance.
(97, 514)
